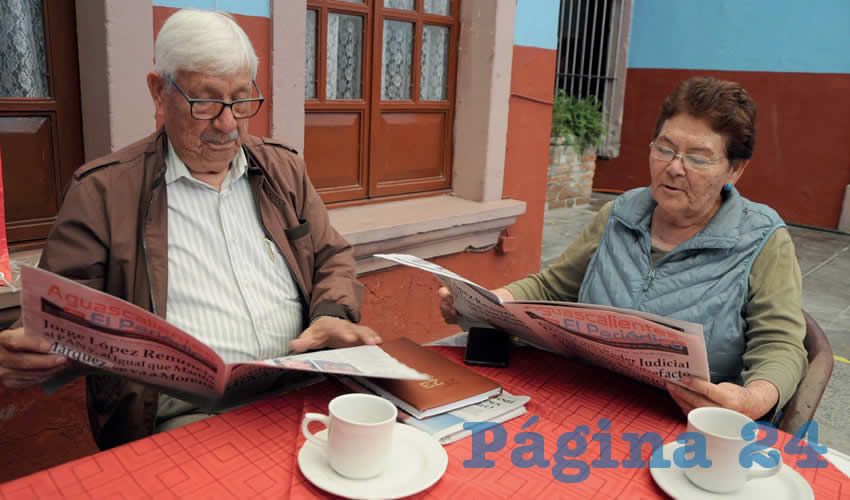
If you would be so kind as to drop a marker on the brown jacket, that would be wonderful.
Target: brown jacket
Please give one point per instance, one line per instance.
(111, 234)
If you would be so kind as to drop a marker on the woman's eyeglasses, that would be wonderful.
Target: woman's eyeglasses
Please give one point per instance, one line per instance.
(665, 154)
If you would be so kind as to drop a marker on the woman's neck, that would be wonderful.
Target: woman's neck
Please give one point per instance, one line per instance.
(668, 232)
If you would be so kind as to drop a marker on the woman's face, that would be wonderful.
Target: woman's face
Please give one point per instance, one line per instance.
(686, 195)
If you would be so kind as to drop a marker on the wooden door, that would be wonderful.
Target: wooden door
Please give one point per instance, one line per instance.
(40, 117)
(379, 97)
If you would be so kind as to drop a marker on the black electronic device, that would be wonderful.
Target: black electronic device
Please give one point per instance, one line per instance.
(487, 347)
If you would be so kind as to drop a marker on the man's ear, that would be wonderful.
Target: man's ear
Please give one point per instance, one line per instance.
(157, 87)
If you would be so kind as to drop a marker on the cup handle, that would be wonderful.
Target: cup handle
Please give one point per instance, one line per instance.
(765, 471)
(318, 417)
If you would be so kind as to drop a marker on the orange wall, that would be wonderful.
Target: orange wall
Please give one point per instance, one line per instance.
(801, 163)
(258, 30)
(403, 302)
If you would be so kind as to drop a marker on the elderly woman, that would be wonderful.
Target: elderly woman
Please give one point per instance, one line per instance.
(690, 247)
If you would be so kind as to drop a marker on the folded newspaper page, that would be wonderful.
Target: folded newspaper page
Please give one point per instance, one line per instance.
(116, 337)
(644, 346)
(448, 427)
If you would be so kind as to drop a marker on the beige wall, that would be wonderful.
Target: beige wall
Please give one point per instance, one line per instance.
(115, 43)
(288, 39)
(483, 91)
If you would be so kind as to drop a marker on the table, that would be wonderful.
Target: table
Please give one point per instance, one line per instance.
(251, 451)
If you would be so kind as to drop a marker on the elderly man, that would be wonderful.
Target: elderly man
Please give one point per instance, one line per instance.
(216, 230)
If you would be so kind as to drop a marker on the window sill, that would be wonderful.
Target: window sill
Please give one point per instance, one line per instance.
(424, 227)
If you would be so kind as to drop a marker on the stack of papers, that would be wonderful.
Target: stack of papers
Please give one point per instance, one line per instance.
(449, 427)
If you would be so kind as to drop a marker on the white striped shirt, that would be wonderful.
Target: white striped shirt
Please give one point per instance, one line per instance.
(228, 285)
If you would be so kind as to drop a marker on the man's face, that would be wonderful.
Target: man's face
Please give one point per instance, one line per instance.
(205, 146)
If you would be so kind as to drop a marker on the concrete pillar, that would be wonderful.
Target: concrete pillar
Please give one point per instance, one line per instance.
(844, 219)
(115, 44)
(288, 20)
(485, 58)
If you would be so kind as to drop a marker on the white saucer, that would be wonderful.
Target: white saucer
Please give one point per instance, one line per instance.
(787, 483)
(417, 462)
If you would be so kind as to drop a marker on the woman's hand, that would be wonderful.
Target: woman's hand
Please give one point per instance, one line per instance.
(447, 308)
(754, 400)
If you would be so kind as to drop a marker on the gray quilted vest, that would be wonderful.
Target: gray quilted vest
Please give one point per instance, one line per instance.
(703, 280)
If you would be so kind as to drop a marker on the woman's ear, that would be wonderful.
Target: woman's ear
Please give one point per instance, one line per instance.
(738, 170)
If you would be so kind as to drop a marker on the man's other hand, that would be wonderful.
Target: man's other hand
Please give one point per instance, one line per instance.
(24, 360)
(328, 331)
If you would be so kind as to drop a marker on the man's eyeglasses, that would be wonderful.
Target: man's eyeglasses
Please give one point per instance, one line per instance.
(665, 154)
(210, 109)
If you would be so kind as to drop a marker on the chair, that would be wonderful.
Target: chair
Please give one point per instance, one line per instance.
(800, 410)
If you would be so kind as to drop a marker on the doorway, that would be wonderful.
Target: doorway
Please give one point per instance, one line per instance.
(41, 139)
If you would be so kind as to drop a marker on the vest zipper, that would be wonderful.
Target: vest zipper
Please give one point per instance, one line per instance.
(646, 283)
(649, 278)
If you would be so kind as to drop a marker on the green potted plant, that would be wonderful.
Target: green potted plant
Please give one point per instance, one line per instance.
(576, 133)
(579, 121)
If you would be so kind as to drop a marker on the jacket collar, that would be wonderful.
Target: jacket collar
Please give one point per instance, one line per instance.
(634, 209)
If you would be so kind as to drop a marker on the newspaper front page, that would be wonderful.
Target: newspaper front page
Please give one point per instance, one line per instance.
(113, 336)
(644, 346)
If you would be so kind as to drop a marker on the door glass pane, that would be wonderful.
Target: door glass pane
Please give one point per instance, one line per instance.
(397, 60)
(310, 55)
(345, 46)
(439, 7)
(399, 4)
(23, 62)
(435, 63)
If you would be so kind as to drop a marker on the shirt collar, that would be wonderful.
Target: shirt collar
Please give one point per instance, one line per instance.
(175, 168)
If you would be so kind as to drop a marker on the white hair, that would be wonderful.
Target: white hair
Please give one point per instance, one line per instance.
(198, 40)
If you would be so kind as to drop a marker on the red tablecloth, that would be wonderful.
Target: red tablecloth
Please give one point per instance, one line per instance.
(251, 452)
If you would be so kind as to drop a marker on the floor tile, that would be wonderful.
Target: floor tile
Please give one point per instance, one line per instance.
(815, 247)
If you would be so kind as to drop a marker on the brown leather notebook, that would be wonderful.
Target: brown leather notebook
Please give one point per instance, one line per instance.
(452, 385)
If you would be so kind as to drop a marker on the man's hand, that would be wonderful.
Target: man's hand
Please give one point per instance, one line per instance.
(24, 361)
(754, 400)
(328, 331)
(447, 308)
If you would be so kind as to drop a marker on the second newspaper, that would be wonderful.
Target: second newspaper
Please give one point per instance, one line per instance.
(644, 346)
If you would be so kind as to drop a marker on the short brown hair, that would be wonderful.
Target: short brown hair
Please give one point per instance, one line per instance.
(729, 109)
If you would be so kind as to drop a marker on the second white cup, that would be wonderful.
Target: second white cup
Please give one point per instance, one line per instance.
(724, 445)
(360, 434)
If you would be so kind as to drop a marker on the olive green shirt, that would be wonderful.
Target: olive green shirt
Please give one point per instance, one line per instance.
(775, 325)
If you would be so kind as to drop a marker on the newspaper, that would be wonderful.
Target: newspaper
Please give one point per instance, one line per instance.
(116, 337)
(448, 427)
(644, 346)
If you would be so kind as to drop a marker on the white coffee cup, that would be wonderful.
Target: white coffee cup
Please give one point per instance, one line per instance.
(360, 434)
(724, 444)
